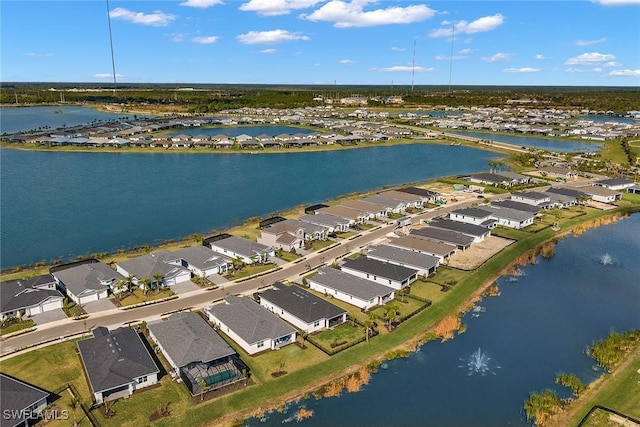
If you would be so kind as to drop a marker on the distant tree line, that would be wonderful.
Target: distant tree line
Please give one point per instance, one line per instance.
(201, 98)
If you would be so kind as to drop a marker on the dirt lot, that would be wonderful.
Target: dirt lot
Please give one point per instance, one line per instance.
(447, 191)
(478, 253)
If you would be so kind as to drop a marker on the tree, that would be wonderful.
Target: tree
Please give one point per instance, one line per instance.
(159, 280)
(390, 314)
(130, 281)
(576, 385)
(540, 406)
(368, 328)
(146, 283)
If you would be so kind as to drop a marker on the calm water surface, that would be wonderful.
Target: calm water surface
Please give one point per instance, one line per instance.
(539, 326)
(540, 143)
(32, 118)
(64, 204)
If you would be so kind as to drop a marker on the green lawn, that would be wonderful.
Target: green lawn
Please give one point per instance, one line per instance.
(16, 325)
(446, 275)
(345, 332)
(249, 270)
(405, 306)
(138, 297)
(317, 245)
(620, 394)
(287, 256)
(429, 290)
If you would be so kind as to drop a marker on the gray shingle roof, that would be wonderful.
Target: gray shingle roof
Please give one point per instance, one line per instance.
(510, 214)
(519, 206)
(301, 303)
(252, 322)
(187, 338)
(88, 277)
(200, 257)
(470, 229)
(242, 246)
(324, 219)
(380, 268)
(16, 395)
(116, 358)
(404, 256)
(423, 244)
(152, 264)
(447, 236)
(473, 212)
(349, 284)
(21, 293)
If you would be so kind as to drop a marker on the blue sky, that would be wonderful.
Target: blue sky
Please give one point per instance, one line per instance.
(572, 42)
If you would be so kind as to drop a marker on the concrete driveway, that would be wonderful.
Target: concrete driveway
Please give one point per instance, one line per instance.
(99, 305)
(184, 287)
(49, 316)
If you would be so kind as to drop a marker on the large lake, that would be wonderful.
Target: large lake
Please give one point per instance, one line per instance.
(539, 326)
(65, 204)
(560, 145)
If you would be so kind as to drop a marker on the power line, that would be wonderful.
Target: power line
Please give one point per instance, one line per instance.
(113, 61)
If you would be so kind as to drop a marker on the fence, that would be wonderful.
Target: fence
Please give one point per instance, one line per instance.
(602, 408)
(338, 349)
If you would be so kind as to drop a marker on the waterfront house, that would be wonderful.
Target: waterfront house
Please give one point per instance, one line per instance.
(372, 210)
(567, 192)
(20, 403)
(351, 289)
(156, 267)
(492, 179)
(423, 245)
(283, 236)
(301, 308)
(460, 240)
(354, 216)
(116, 363)
(411, 200)
(601, 194)
(511, 218)
(424, 264)
(246, 250)
(559, 172)
(524, 206)
(475, 216)
(392, 275)
(197, 354)
(86, 282)
(395, 205)
(534, 198)
(201, 261)
(28, 297)
(333, 223)
(478, 233)
(250, 325)
(427, 196)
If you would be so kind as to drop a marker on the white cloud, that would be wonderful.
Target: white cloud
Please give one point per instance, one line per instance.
(178, 37)
(625, 73)
(590, 58)
(276, 7)
(270, 37)
(269, 51)
(449, 58)
(398, 49)
(617, 2)
(522, 70)
(498, 57)
(540, 56)
(155, 19)
(480, 25)
(583, 70)
(589, 42)
(201, 4)
(352, 14)
(346, 61)
(467, 51)
(38, 54)
(403, 68)
(205, 39)
(612, 64)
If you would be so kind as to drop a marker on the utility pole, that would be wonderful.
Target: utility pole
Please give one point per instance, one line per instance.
(113, 62)
(413, 67)
(453, 32)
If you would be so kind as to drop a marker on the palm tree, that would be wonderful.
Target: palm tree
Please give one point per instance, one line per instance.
(159, 280)
(368, 328)
(130, 281)
(390, 314)
(145, 282)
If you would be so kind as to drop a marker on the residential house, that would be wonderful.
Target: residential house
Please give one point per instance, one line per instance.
(250, 325)
(559, 172)
(601, 194)
(86, 282)
(116, 363)
(373, 210)
(411, 200)
(351, 289)
(156, 267)
(567, 192)
(28, 297)
(201, 261)
(524, 206)
(301, 308)
(21, 403)
(423, 245)
(282, 235)
(354, 216)
(424, 264)
(197, 354)
(427, 195)
(477, 232)
(492, 179)
(389, 274)
(460, 240)
(616, 184)
(511, 218)
(474, 216)
(533, 198)
(246, 250)
(333, 223)
(395, 205)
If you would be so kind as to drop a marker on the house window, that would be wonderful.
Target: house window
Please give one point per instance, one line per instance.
(260, 344)
(142, 379)
(389, 281)
(316, 323)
